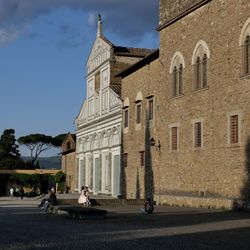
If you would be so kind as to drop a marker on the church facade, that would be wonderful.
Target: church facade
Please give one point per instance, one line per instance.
(98, 133)
(186, 127)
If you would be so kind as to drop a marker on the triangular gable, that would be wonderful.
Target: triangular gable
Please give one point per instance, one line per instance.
(69, 137)
(83, 112)
(101, 41)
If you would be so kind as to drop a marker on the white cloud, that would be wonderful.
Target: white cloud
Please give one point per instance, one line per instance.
(127, 18)
(9, 34)
(92, 19)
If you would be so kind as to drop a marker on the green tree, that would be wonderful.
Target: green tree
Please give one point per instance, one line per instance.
(9, 153)
(8, 146)
(59, 180)
(38, 143)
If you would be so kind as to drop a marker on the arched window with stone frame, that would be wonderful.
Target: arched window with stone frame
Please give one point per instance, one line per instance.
(198, 73)
(115, 137)
(126, 115)
(244, 42)
(246, 56)
(174, 82)
(204, 71)
(176, 72)
(180, 78)
(201, 55)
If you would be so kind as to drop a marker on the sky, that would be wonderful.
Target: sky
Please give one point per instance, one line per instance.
(44, 46)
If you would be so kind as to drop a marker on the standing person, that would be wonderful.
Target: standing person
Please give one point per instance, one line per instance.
(87, 196)
(21, 192)
(82, 199)
(12, 192)
(17, 192)
(53, 190)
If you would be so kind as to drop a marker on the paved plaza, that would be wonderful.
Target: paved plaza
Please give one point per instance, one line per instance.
(24, 227)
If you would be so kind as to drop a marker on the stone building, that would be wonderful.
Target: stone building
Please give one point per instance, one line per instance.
(99, 121)
(69, 160)
(186, 128)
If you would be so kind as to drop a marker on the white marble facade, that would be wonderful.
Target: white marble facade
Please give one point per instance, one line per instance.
(98, 133)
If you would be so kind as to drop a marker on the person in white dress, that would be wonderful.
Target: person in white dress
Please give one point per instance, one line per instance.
(83, 198)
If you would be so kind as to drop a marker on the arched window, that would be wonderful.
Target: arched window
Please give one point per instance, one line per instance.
(198, 73)
(115, 137)
(180, 79)
(126, 113)
(105, 140)
(247, 55)
(200, 58)
(87, 145)
(68, 145)
(138, 108)
(204, 71)
(96, 142)
(174, 82)
(176, 71)
(244, 42)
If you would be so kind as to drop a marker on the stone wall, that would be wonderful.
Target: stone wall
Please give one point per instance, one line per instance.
(218, 169)
(169, 9)
(68, 167)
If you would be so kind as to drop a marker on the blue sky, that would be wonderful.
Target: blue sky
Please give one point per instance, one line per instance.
(44, 45)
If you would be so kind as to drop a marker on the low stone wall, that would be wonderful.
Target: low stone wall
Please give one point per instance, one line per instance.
(196, 202)
(103, 202)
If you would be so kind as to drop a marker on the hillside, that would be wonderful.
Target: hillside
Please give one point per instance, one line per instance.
(53, 162)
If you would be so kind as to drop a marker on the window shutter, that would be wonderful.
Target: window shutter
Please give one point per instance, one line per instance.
(174, 138)
(197, 134)
(234, 137)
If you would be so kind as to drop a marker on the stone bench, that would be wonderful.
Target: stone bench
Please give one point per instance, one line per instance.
(77, 212)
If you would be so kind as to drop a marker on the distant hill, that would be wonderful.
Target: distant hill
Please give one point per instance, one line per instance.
(53, 162)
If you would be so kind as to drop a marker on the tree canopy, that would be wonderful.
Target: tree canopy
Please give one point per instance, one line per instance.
(38, 143)
(9, 152)
(8, 146)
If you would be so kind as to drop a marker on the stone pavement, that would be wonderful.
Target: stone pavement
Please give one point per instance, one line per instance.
(23, 227)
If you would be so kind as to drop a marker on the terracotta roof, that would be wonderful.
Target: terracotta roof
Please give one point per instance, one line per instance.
(127, 51)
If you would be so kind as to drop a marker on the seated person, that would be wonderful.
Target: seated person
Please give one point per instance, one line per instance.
(84, 197)
(148, 206)
(50, 201)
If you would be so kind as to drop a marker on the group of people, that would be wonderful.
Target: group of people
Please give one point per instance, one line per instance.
(51, 200)
(16, 192)
(84, 197)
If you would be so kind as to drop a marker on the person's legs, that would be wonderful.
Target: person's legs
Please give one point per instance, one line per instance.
(46, 206)
(42, 203)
